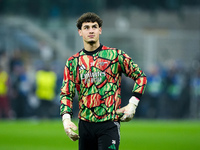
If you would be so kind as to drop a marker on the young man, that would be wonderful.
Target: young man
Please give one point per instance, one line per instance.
(95, 72)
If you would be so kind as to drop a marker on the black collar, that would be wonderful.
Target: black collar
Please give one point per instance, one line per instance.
(93, 52)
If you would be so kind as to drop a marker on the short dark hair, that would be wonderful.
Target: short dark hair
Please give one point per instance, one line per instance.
(89, 17)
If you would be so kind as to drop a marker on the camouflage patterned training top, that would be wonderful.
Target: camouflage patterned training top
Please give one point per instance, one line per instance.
(97, 78)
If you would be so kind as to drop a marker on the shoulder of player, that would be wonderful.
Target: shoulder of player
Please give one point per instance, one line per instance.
(108, 48)
(112, 49)
(74, 56)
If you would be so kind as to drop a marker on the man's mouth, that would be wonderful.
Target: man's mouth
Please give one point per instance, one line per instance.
(91, 36)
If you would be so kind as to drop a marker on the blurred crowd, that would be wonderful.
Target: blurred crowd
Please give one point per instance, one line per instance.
(31, 89)
(172, 92)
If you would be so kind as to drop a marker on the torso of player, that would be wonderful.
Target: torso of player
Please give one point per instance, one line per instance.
(98, 84)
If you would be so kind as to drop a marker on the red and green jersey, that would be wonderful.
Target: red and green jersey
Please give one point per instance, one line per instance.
(97, 78)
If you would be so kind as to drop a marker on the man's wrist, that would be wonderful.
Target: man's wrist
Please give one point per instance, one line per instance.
(138, 95)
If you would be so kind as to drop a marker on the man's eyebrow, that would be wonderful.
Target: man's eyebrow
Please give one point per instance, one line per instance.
(86, 25)
(95, 25)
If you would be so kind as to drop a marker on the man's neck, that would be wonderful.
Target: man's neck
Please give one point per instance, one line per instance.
(91, 47)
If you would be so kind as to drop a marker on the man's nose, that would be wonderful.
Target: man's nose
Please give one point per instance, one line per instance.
(91, 30)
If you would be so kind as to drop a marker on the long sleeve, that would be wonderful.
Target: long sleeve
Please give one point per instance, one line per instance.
(67, 90)
(130, 69)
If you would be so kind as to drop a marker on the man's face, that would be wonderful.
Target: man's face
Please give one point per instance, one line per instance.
(90, 32)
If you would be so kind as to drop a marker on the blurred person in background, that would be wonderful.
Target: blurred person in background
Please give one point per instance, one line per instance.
(19, 86)
(95, 72)
(154, 92)
(174, 85)
(45, 92)
(195, 94)
(5, 109)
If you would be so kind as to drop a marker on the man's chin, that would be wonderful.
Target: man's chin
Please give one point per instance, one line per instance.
(91, 42)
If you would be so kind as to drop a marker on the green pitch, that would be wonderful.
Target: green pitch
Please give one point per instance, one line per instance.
(135, 135)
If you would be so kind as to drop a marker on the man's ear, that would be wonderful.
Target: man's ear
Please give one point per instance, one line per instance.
(100, 30)
(79, 32)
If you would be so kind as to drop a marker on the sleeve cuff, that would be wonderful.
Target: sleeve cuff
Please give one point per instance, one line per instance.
(138, 95)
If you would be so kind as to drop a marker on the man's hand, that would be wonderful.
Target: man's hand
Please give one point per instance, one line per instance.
(128, 111)
(69, 126)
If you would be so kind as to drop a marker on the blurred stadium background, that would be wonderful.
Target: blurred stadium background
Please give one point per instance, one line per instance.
(163, 37)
